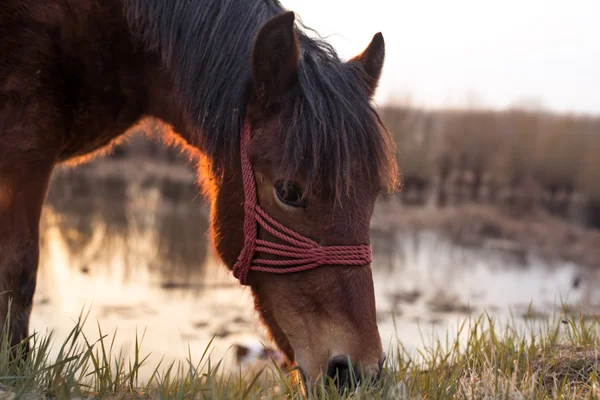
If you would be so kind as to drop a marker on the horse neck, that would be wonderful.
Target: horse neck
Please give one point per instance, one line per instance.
(163, 103)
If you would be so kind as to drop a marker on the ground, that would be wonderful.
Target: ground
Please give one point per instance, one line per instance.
(496, 228)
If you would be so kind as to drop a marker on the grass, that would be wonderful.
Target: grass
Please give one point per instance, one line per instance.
(512, 148)
(560, 359)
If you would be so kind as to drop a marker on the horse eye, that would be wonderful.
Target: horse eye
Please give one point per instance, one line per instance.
(290, 193)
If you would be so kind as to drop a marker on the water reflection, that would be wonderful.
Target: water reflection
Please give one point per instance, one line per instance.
(158, 222)
(136, 253)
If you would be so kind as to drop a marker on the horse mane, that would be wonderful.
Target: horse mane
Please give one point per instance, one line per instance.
(327, 120)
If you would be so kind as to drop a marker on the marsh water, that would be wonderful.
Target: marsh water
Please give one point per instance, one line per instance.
(135, 254)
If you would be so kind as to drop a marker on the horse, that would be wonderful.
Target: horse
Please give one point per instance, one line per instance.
(290, 150)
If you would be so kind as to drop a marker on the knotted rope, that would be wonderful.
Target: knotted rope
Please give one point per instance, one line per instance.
(300, 253)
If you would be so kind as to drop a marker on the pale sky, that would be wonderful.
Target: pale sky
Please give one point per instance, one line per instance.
(449, 52)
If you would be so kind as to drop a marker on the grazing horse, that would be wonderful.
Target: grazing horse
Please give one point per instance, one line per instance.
(291, 153)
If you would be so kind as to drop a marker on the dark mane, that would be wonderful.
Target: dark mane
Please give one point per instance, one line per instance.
(326, 118)
(331, 130)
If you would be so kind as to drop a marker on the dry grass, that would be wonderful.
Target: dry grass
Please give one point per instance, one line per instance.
(504, 148)
(568, 365)
(561, 359)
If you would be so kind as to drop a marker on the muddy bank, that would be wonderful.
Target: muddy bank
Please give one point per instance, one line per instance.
(536, 232)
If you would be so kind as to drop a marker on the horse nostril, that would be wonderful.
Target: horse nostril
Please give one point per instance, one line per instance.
(338, 369)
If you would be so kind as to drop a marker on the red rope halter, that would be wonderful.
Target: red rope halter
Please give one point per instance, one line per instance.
(301, 253)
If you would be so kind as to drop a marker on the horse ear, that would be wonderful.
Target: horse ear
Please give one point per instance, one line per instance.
(275, 56)
(371, 63)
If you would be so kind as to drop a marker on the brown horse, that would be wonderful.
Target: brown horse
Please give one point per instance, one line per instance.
(76, 74)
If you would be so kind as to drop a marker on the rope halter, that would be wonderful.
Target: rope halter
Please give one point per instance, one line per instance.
(296, 252)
